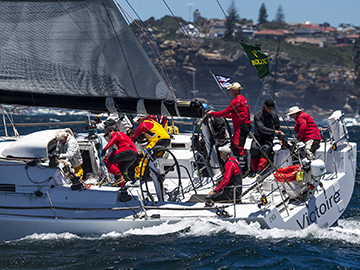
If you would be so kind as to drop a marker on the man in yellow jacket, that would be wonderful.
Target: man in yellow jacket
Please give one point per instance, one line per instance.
(155, 134)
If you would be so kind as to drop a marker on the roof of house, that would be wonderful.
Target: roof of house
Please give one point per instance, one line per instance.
(351, 36)
(269, 32)
(311, 26)
(330, 29)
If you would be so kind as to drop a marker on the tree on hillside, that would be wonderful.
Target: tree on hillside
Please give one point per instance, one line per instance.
(280, 16)
(262, 14)
(232, 18)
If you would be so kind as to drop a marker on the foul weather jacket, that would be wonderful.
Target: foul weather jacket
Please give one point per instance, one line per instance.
(122, 141)
(238, 110)
(153, 132)
(306, 128)
(265, 126)
(70, 150)
(231, 169)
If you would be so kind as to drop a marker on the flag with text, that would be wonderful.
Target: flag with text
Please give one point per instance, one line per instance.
(258, 59)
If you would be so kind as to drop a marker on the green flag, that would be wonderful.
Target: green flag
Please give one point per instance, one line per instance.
(258, 59)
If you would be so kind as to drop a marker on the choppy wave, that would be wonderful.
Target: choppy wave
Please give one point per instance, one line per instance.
(347, 230)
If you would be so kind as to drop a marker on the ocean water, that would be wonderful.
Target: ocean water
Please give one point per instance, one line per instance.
(196, 244)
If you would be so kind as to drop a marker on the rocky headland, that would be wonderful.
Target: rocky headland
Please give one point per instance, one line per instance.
(316, 88)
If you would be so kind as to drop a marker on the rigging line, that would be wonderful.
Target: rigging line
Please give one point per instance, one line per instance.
(122, 49)
(11, 119)
(261, 91)
(236, 34)
(155, 50)
(214, 75)
(250, 133)
(187, 35)
(286, 123)
(156, 46)
(149, 43)
(232, 27)
(276, 64)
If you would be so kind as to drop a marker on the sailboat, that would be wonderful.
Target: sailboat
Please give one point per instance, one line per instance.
(82, 55)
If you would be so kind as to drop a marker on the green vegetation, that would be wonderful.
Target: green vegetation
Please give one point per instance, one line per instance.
(328, 55)
(302, 54)
(262, 14)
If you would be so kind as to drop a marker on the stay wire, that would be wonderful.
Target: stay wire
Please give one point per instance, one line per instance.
(150, 42)
(251, 135)
(201, 57)
(122, 50)
(189, 39)
(156, 50)
(233, 29)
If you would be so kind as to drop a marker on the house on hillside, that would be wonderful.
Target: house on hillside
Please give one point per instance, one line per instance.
(190, 29)
(329, 30)
(292, 26)
(317, 41)
(248, 30)
(216, 27)
(269, 34)
(309, 30)
(346, 39)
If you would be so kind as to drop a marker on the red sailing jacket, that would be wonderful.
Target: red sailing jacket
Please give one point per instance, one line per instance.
(231, 168)
(122, 141)
(306, 128)
(238, 110)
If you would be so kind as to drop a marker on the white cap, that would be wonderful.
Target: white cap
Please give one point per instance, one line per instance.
(60, 135)
(294, 109)
(225, 149)
(235, 86)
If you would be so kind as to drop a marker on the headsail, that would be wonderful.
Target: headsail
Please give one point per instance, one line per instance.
(75, 54)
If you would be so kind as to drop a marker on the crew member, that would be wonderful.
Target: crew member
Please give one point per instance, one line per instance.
(224, 191)
(239, 112)
(219, 130)
(67, 147)
(120, 122)
(155, 134)
(306, 129)
(267, 124)
(163, 121)
(120, 160)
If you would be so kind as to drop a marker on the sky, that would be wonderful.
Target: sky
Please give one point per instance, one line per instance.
(333, 12)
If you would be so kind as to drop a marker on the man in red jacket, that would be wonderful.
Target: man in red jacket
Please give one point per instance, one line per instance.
(306, 129)
(232, 177)
(239, 112)
(120, 160)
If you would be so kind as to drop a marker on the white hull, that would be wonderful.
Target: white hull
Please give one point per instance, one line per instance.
(39, 199)
(321, 210)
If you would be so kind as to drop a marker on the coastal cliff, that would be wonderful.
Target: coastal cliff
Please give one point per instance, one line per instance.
(317, 88)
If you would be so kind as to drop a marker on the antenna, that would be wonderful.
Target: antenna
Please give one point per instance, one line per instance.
(190, 4)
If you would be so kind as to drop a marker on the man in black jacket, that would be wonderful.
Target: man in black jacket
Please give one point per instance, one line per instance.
(266, 125)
